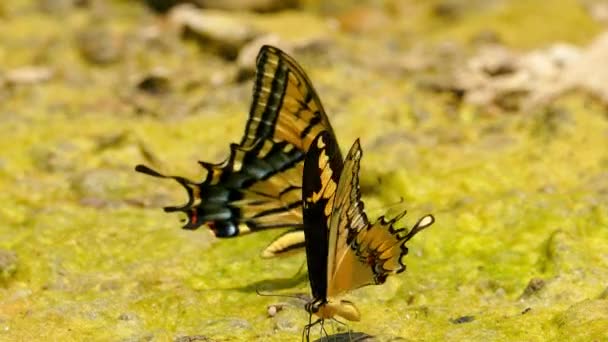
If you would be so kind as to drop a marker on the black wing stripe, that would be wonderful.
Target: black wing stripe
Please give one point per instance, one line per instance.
(267, 103)
(257, 100)
(287, 207)
(289, 189)
(275, 100)
(315, 121)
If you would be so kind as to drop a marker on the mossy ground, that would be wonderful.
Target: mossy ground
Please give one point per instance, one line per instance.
(521, 238)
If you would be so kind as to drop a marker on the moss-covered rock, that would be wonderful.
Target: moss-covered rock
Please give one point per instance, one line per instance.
(518, 251)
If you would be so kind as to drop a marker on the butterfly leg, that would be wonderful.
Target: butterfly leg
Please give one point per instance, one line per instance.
(307, 327)
(306, 330)
(350, 338)
(323, 332)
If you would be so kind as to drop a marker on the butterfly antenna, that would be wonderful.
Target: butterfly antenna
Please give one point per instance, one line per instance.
(262, 294)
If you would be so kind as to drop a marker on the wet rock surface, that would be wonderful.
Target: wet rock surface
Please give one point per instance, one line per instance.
(479, 113)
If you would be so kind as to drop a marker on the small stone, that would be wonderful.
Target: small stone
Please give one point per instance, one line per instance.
(28, 75)
(534, 286)
(216, 30)
(500, 78)
(564, 54)
(58, 157)
(101, 188)
(145, 337)
(8, 264)
(248, 5)
(463, 319)
(111, 140)
(588, 71)
(486, 37)
(99, 45)
(363, 19)
(161, 6)
(494, 61)
(274, 309)
(457, 9)
(246, 60)
(156, 83)
(604, 294)
(598, 10)
(193, 338)
(127, 316)
(56, 6)
(449, 9)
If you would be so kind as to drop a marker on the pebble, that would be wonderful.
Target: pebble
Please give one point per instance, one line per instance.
(99, 45)
(248, 5)
(8, 263)
(534, 286)
(28, 75)
(246, 60)
(363, 19)
(219, 31)
(274, 309)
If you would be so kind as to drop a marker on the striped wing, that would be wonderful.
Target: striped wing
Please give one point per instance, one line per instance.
(322, 168)
(361, 253)
(259, 186)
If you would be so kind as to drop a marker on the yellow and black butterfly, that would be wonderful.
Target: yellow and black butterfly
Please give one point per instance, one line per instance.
(344, 251)
(259, 186)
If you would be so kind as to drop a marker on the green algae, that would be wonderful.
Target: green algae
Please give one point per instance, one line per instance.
(519, 199)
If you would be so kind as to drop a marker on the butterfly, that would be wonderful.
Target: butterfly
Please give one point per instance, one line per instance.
(344, 251)
(259, 185)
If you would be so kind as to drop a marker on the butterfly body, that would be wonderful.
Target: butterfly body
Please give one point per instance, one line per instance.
(344, 251)
(259, 185)
(334, 307)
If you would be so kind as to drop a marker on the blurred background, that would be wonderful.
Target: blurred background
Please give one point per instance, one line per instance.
(492, 115)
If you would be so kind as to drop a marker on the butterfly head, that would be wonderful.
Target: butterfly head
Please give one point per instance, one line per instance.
(313, 306)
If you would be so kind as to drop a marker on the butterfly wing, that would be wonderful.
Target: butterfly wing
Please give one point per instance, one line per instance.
(259, 186)
(322, 168)
(361, 253)
(285, 105)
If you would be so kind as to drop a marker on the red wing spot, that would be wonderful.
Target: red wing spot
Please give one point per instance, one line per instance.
(193, 218)
(371, 260)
